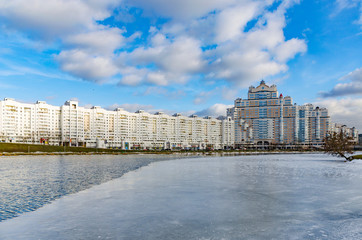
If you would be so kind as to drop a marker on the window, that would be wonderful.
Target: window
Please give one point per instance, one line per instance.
(262, 103)
(262, 113)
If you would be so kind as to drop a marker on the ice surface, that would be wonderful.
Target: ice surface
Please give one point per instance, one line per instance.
(307, 196)
(29, 182)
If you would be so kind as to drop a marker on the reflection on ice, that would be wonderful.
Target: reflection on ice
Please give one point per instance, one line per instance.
(29, 182)
(244, 197)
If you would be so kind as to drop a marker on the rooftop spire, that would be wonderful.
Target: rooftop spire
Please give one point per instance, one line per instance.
(262, 82)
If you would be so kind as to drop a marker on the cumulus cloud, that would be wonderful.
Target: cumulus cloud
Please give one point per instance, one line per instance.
(102, 41)
(88, 47)
(354, 76)
(346, 111)
(180, 9)
(231, 21)
(90, 55)
(199, 38)
(215, 110)
(86, 66)
(262, 51)
(174, 60)
(53, 18)
(131, 79)
(351, 88)
(288, 49)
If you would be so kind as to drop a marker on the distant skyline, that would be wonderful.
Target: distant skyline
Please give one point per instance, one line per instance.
(187, 56)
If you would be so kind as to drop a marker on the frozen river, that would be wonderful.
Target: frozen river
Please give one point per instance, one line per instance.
(306, 196)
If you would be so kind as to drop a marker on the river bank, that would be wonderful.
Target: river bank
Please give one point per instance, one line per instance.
(17, 149)
(207, 153)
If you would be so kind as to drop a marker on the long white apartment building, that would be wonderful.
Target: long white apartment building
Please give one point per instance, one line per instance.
(71, 124)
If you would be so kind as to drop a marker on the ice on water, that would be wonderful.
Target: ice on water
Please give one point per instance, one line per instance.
(304, 196)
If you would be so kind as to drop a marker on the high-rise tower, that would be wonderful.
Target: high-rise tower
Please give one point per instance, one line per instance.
(267, 118)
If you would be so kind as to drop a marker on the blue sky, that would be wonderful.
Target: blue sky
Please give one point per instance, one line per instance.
(188, 56)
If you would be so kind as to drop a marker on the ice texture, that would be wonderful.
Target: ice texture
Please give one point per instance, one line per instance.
(286, 196)
(29, 182)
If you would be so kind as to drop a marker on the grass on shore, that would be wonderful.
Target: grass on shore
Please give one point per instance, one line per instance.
(356, 157)
(25, 149)
(31, 148)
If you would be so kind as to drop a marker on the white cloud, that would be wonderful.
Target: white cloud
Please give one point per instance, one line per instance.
(231, 21)
(131, 107)
(174, 59)
(243, 67)
(348, 4)
(351, 88)
(346, 111)
(157, 78)
(229, 93)
(344, 4)
(354, 76)
(91, 55)
(215, 110)
(88, 47)
(180, 9)
(258, 53)
(103, 41)
(131, 79)
(87, 66)
(174, 52)
(359, 21)
(181, 56)
(54, 17)
(287, 50)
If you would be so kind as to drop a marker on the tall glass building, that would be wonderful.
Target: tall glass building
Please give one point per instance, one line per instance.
(268, 118)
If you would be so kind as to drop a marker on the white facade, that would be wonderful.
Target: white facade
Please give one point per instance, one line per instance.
(29, 123)
(73, 125)
(350, 132)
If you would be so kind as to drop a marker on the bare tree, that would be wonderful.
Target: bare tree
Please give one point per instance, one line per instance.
(339, 144)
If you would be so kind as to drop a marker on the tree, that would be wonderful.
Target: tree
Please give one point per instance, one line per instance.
(339, 144)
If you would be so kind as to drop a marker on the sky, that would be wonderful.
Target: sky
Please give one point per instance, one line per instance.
(185, 56)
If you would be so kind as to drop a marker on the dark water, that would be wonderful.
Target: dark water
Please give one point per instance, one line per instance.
(309, 196)
(29, 182)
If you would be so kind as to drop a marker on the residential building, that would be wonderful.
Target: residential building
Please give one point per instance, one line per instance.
(73, 125)
(267, 118)
(350, 132)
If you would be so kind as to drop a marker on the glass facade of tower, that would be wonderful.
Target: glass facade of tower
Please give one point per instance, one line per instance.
(268, 118)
